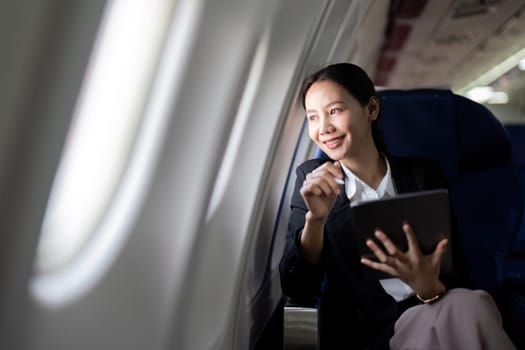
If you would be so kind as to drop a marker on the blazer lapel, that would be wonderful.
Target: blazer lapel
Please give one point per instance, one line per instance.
(341, 201)
(402, 176)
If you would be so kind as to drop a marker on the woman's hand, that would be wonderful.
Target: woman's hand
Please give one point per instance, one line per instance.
(320, 189)
(319, 192)
(419, 271)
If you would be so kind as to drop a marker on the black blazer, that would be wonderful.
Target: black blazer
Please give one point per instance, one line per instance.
(354, 312)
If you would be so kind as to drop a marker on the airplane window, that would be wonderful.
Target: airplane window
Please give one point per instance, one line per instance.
(234, 141)
(102, 133)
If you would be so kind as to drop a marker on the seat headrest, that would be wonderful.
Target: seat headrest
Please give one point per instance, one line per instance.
(517, 140)
(460, 134)
(420, 123)
(483, 141)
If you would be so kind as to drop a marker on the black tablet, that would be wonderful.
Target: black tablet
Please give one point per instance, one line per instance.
(428, 212)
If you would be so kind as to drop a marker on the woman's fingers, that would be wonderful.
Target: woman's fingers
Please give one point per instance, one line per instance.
(441, 248)
(330, 172)
(413, 245)
(327, 184)
(319, 192)
(409, 266)
(332, 168)
(326, 187)
(391, 248)
(380, 266)
(387, 243)
(378, 252)
(317, 185)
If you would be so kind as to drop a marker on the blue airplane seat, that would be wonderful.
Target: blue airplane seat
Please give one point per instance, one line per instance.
(515, 265)
(473, 149)
(517, 139)
(320, 154)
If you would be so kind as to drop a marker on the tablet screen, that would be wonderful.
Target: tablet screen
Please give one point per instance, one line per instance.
(428, 212)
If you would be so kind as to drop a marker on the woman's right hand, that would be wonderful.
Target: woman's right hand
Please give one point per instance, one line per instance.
(320, 189)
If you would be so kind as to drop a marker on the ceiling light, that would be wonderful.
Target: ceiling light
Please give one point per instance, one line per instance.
(480, 94)
(495, 72)
(498, 98)
(521, 64)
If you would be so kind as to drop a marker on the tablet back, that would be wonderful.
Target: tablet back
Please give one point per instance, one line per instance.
(428, 212)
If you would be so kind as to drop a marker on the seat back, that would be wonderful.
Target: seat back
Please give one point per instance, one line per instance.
(517, 139)
(515, 264)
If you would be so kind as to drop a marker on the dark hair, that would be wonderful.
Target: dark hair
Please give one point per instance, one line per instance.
(355, 80)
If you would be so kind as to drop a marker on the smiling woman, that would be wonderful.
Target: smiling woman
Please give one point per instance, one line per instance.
(321, 257)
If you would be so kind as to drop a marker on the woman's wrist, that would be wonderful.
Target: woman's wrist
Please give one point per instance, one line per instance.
(313, 229)
(432, 295)
(309, 217)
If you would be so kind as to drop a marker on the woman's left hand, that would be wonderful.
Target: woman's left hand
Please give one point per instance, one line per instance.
(419, 271)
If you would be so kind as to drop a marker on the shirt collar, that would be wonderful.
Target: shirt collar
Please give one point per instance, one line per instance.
(352, 182)
(386, 186)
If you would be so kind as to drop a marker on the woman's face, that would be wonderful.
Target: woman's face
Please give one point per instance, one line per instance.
(338, 124)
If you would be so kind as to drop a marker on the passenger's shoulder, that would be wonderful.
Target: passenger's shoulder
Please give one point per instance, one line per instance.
(414, 162)
(427, 173)
(310, 164)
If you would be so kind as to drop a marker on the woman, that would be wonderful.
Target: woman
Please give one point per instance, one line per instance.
(417, 308)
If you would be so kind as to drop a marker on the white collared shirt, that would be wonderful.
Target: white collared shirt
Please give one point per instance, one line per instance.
(356, 191)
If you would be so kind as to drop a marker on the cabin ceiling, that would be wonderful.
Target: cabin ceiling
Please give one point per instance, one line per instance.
(449, 43)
